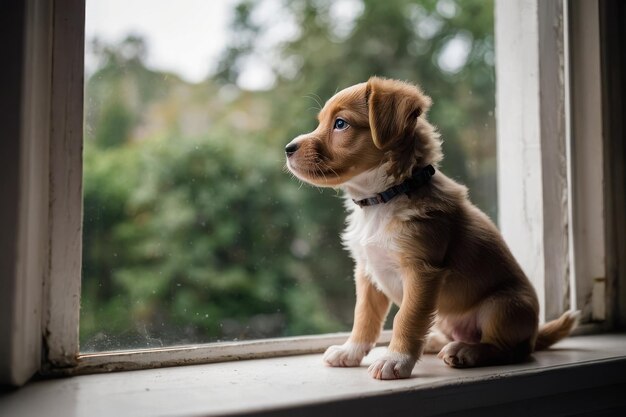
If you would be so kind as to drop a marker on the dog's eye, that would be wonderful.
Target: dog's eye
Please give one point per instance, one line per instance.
(340, 124)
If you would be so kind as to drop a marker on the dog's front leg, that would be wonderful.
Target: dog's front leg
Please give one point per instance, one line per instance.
(411, 324)
(370, 311)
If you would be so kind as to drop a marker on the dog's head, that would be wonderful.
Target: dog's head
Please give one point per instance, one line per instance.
(361, 128)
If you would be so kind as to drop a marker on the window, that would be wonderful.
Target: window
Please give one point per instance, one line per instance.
(542, 181)
(192, 231)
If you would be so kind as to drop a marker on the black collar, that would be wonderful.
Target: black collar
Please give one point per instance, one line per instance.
(415, 181)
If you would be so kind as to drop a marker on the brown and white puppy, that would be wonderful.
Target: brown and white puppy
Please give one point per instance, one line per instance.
(431, 251)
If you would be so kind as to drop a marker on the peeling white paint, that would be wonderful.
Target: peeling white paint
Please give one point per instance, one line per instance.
(532, 165)
(62, 285)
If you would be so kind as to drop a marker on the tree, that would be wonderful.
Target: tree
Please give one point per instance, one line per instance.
(185, 241)
(402, 39)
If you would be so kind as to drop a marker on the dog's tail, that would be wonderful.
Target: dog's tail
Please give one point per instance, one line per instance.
(555, 330)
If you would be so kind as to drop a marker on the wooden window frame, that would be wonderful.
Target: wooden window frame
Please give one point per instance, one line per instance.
(550, 161)
(540, 214)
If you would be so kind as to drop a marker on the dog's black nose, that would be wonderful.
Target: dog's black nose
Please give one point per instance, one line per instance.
(291, 148)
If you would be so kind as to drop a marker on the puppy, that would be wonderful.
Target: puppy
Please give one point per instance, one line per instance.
(416, 240)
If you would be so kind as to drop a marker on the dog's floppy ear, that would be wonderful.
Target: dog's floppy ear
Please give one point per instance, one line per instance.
(393, 107)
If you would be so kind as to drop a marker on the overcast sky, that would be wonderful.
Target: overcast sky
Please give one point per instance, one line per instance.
(187, 36)
(183, 36)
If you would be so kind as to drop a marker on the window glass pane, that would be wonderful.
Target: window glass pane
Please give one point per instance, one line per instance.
(193, 230)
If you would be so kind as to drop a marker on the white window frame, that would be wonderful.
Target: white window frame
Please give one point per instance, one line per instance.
(540, 215)
(550, 159)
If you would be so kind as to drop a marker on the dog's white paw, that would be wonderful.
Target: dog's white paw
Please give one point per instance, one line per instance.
(393, 365)
(346, 355)
(460, 355)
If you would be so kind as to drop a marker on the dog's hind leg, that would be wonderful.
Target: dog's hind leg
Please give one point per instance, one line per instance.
(508, 326)
(469, 355)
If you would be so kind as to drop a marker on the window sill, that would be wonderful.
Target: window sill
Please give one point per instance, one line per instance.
(579, 375)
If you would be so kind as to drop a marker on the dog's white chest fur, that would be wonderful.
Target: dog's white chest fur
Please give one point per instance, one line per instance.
(367, 234)
(368, 238)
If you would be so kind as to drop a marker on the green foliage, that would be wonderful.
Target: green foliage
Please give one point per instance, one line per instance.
(185, 236)
(194, 232)
(116, 125)
(401, 39)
